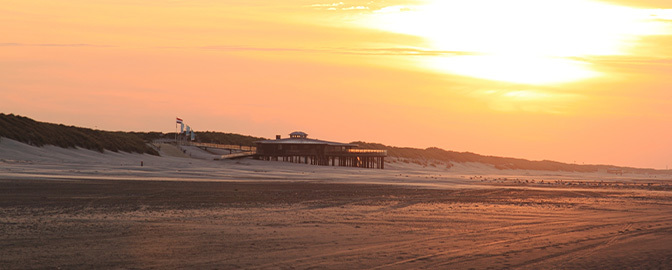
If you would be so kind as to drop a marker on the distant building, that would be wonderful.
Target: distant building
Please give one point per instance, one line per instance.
(615, 171)
(299, 148)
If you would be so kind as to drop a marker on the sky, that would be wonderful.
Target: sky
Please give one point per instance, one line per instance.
(576, 81)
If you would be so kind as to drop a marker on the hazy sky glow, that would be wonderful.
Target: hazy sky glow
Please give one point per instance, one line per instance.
(573, 81)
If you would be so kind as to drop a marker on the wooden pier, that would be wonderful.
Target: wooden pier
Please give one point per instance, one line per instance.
(300, 149)
(374, 159)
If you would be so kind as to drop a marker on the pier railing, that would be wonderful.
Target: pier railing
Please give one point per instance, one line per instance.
(225, 146)
(373, 151)
(362, 152)
(242, 148)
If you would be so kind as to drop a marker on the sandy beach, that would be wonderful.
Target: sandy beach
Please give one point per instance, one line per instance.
(80, 209)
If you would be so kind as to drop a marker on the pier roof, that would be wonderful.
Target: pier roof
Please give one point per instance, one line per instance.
(305, 141)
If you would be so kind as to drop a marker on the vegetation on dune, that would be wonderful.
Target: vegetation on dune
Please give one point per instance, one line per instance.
(26, 130)
(503, 163)
(150, 136)
(226, 138)
(205, 137)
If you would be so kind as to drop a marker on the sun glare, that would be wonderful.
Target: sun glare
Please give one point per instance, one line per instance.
(520, 41)
(528, 100)
(523, 69)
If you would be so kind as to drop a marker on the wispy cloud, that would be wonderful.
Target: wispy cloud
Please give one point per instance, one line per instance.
(327, 5)
(355, 8)
(12, 44)
(623, 60)
(338, 6)
(261, 49)
(393, 9)
(392, 51)
(406, 51)
(352, 51)
(660, 14)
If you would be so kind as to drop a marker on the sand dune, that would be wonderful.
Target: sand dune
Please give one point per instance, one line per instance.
(24, 161)
(75, 209)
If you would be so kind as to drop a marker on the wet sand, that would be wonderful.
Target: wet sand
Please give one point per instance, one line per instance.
(93, 224)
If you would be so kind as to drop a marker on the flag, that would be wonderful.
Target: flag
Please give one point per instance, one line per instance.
(178, 120)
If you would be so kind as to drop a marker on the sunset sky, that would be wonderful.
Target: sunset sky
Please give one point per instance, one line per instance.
(573, 81)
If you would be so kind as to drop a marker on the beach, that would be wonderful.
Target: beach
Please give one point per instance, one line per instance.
(296, 134)
(80, 209)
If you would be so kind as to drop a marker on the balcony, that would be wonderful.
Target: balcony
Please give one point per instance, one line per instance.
(358, 152)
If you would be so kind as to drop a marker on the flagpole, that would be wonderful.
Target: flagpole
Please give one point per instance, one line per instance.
(175, 130)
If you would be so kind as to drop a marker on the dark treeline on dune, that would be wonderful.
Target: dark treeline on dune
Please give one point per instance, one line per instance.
(502, 163)
(205, 137)
(29, 131)
(227, 138)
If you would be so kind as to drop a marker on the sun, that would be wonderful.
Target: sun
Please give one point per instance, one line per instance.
(520, 41)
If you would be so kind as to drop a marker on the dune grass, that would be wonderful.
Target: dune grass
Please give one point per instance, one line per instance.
(227, 138)
(428, 156)
(29, 131)
(26, 130)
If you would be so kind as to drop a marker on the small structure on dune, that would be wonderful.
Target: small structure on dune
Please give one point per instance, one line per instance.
(299, 148)
(615, 171)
